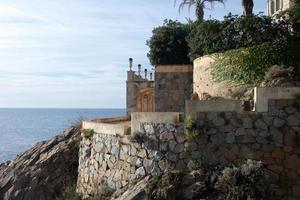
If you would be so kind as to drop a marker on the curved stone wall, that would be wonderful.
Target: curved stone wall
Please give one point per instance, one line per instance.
(203, 82)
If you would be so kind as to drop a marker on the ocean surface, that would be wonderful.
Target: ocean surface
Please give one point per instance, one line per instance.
(21, 128)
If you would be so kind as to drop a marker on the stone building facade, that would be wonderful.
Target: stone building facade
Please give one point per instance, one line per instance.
(139, 90)
(171, 87)
(275, 6)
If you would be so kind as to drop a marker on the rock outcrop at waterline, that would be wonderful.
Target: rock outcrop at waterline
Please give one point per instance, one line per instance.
(44, 171)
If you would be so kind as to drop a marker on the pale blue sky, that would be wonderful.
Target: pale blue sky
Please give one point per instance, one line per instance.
(73, 53)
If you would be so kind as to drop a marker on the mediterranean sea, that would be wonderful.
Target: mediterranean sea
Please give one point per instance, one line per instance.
(21, 128)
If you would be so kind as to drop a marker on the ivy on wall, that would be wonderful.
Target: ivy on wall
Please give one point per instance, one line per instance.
(247, 65)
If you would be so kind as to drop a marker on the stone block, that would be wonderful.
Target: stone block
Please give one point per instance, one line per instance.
(166, 136)
(292, 162)
(245, 139)
(275, 168)
(241, 131)
(277, 153)
(260, 124)
(277, 122)
(292, 120)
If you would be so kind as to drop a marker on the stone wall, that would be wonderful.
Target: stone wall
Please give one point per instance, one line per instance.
(272, 137)
(203, 81)
(118, 160)
(224, 138)
(173, 85)
(134, 84)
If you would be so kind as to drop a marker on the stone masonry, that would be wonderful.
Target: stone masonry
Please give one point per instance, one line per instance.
(224, 138)
(173, 86)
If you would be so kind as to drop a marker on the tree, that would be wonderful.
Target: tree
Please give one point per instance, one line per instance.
(200, 6)
(248, 7)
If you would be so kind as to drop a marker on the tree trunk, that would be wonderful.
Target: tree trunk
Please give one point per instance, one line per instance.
(248, 7)
(200, 11)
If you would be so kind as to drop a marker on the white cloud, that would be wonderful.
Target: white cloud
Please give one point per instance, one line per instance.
(66, 53)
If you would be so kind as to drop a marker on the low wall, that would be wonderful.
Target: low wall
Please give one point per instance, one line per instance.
(118, 160)
(203, 81)
(221, 105)
(109, 126)
(263, 95)
(224, 138)
(139, 118)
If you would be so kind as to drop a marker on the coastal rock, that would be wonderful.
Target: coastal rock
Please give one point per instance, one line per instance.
(42, 171)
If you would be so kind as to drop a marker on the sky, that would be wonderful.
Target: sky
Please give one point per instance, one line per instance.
(74, 53)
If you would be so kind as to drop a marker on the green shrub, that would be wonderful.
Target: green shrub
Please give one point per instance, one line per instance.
(205, 38)
(235, 32)
(71, 193)
(193, 165)
(168, 45)
(247, 181)
(104, 193)
(248, 65)
(138, 137)
(191, 129)
(88, 133)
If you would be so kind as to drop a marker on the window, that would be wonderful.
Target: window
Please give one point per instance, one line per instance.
(275, 5)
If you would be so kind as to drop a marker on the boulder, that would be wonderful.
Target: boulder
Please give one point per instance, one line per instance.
(43, 171)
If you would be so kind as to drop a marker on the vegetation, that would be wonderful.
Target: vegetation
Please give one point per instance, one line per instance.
(249, 180)
(138, 137)
(200, 6)
(71, 193)
(88, 133)
(190, 128)
(234, 32)
(105, 193)
(248, 65)
(193, 165)
(165, 186)
(168, 45)
(248, 7)
(205, 38)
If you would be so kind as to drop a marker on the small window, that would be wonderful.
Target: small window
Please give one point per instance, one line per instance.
(272, 7)
(278, 5)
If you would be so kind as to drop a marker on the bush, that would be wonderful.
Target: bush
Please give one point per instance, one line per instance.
(190, 128)
(248, 65)
(168, 45)
(71, 193)
(235, 32)
(248, 181)
(88, 133)
(204, 38)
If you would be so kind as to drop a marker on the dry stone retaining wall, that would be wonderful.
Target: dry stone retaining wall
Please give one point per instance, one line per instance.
(224, 138)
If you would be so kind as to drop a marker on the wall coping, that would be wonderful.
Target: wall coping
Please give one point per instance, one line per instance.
(262, 95)
(109, 126)
(137, 118)
(173, 68)
(218, 105)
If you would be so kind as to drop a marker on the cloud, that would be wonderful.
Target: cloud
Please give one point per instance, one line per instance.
(66, 53)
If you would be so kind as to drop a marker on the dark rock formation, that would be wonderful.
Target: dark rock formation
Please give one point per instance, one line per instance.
(44, 171)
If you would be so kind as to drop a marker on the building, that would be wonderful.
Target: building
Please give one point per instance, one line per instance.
(275, 6)
(139, 90)
(171, 87)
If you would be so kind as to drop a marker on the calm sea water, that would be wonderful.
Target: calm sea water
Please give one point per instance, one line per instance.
(21, 128)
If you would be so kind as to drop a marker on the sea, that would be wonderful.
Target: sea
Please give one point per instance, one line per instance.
(21, 128)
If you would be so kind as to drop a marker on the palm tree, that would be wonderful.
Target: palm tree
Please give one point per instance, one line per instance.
(248, 7)
(200, 6)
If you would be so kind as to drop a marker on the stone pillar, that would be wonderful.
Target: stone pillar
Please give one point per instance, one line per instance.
(173, 86)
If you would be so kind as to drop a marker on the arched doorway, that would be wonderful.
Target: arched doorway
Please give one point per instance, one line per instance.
(146, 100)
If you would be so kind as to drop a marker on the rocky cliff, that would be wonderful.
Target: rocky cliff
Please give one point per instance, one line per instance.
(44, 171)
